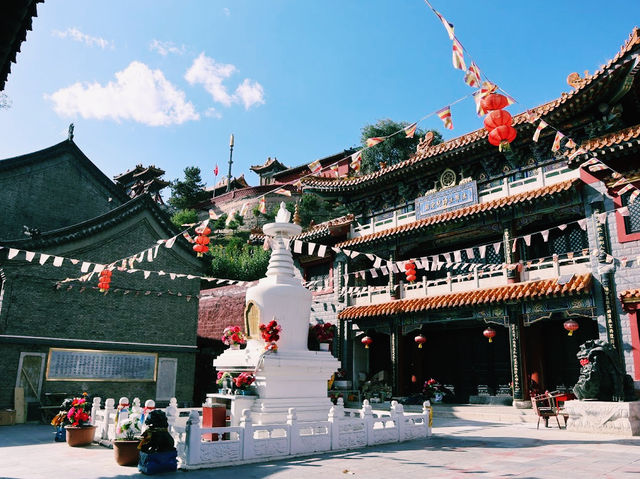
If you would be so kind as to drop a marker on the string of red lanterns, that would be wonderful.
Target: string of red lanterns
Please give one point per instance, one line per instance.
(104, 280)
(202, 240)
(410, 271)
(498, 122)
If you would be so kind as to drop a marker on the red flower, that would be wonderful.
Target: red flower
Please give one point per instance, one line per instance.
(584, 362)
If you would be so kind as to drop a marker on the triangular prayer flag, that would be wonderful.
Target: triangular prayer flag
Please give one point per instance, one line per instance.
(13, 253)
(579, 151)
(334, 168)
(625, 190)
(598, 167)
(458, 56)
(356, 161)
(624, 211)
(570, 144)
(262, 206)
(472, 77)
(541, 126)
(411, 130)
(633, 196)
(477, 98)
(445, 115)
(315, 166)
(557, 140)
(29, 255)
(448, 26)
(375, 140)
(583, 224)
(545, 235)
(322, 250)
(282, 191)
(245, 208)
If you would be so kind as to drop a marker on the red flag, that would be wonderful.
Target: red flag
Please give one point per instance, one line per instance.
(356, 161)
(556, 141)
(215, 170)
(445, 116)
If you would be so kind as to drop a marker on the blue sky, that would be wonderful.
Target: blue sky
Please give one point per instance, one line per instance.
(166, 82)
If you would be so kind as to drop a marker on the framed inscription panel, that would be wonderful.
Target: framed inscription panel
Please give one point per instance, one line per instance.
(98, 365)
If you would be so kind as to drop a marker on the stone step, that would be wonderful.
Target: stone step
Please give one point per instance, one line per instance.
(481, 413)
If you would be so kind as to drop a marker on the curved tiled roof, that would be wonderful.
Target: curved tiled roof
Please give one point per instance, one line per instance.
(630, 296)
(511, 292)
(620, 137)
(469, 139)
(17, 19)
(464, 212)
(320, 230)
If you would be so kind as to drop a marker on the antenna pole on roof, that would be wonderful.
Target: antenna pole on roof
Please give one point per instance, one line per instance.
(230, 162)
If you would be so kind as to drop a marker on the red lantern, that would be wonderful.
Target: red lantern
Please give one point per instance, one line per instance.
(497, 118)
(494, 101)
(104, 280)
(489, 333)
(502, 135)
(202, 240)
(366, 341)
(200, 248)
(410, 271)
(571, 326)
(420, 339)
(203, 231)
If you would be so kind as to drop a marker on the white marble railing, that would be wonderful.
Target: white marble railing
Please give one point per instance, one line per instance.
(506, 188)
(343, 429)
(105, 418)
(548, 268)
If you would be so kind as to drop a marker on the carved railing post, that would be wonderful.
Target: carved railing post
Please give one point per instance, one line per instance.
(95, 407)
(246, 424)
(334, 418)
(109, 408)
(193, 438)
(294, 432)
(397, 414)
(172, 412)
(367, 415)
(427, 414)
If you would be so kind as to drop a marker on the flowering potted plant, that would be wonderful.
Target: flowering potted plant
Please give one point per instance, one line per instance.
(224, 381)
(243, 383)
(324, 333)
(76, 420)
(234, 337)
(434, 390)
(271, 334)
(128, 435)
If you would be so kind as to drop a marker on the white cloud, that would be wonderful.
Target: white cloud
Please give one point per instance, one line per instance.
(226, 11)
(212, 113)
(211, 75)
(78, 36)
(250, 93)
(164, 48)
(139, 94)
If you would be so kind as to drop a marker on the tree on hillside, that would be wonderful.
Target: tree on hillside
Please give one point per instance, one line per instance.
(238, 260)
(188, 192)
(182, 217)
(393, 150)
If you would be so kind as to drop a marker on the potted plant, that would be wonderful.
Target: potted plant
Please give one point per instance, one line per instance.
(243, 384)
(224, 382)
(76, 420)
(324, 333)
(128, 435)
(234, 337)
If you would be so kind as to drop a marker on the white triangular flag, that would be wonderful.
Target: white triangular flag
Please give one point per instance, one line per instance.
(98, 268)
(44, 258)
(583, 224)
(150, 255)
(311, 247)
(527, 240)
(170, 242)
(172, 275)
(384, 270)
(13, 253)
(29, 255)
(374, 273)
(562, 227)
(545, 235)
(322, 250)
(515, 245)
(155, 251)
(57, 261)
(482, 250)
(85, 267)
(297, 246)
(378, 262)
(470, 253)
(457, 256)
(496, 247)
(146, 274)
(624, 211)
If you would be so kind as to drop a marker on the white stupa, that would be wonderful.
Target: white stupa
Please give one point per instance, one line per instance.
(293, 376)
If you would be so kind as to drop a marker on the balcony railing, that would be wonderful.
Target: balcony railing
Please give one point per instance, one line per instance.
(507, 188)
(532, 270)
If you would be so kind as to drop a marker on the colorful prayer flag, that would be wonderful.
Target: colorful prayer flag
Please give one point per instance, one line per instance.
(598, 167)
(334, 168)
(477, 98)
(472, 77)
(315, 166)
(356, 161)
(458, 55)
(556, 141)
(445, 115)
(375, 140)
(633, 196)
(410, 130)
(626, 190)
(282, 191)
(487, 87)
(570, 144)
(448, 26)
(262, 206)
(579, 151)
(541, 126)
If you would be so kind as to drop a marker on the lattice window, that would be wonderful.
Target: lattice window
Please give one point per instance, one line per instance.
(632, 222)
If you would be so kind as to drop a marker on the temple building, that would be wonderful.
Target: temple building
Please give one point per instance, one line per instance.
(519, 246)
(143, 180)
(63, 223)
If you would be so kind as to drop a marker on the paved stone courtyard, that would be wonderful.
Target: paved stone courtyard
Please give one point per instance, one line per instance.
(458, 448)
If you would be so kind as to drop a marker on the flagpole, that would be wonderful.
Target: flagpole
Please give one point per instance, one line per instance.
(230, 162)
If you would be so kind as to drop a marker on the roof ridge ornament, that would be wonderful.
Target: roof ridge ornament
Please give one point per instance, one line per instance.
(575, 81)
